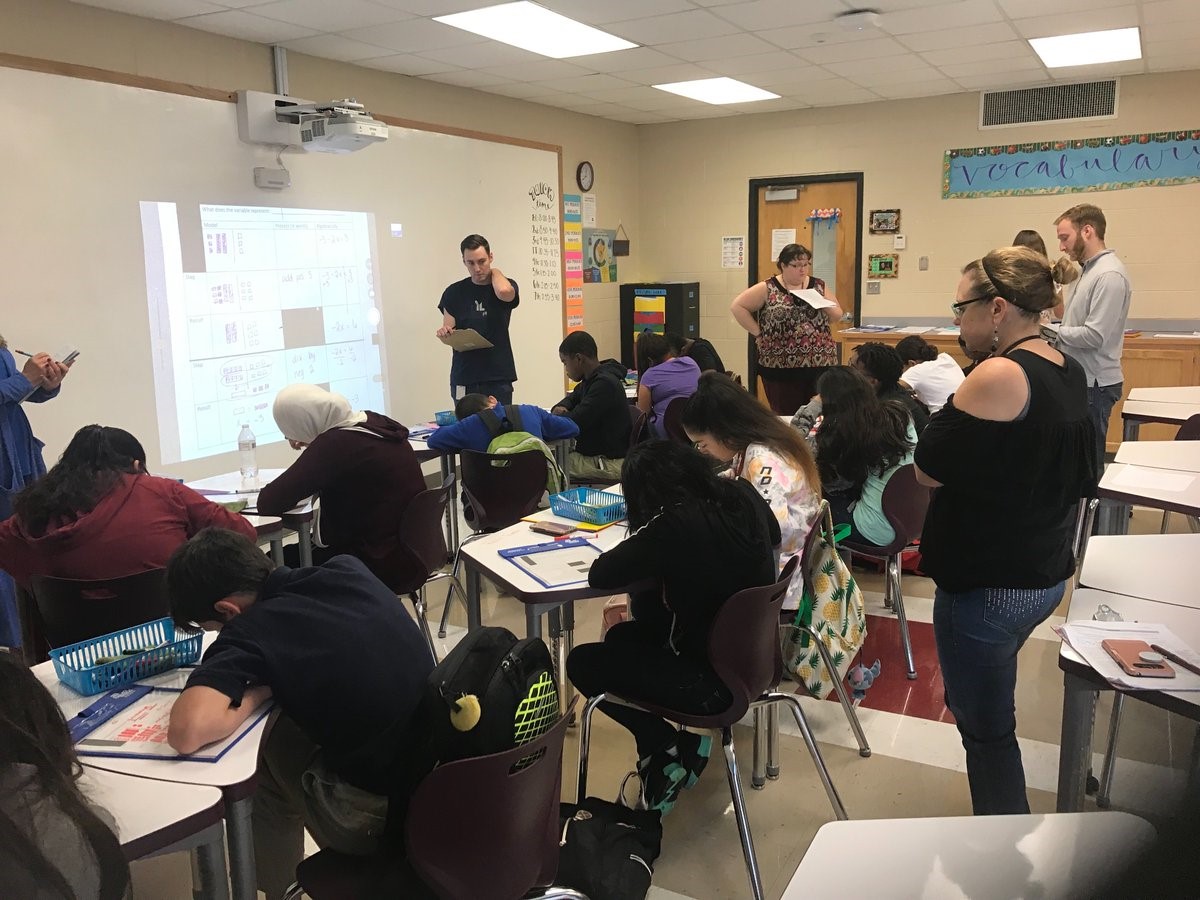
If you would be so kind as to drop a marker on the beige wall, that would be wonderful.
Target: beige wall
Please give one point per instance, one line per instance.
(83, 35)
(694, 185)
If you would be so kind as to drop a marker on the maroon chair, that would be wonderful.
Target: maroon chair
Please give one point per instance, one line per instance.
(484, 828)
(69, 610)
(500, 489)
(743, 648)
(422, 537)
(673, 421)
(905, 502)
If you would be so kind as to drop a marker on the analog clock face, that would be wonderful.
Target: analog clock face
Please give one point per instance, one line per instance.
(585, 175)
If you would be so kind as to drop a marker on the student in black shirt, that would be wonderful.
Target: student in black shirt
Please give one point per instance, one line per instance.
(701, 539)
(597, 405)
(882, 366)
(701, 351)
(345, 663)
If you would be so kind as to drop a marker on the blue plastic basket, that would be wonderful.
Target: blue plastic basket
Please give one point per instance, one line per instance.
(158, 648)
(587, 504)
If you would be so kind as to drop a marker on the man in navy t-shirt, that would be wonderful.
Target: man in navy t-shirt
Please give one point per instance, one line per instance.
(483, 301)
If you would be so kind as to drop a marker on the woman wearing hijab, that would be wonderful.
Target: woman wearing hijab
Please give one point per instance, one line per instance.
(362, 468)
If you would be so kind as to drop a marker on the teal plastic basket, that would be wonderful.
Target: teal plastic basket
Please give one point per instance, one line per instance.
(141, 651)
(590, 505)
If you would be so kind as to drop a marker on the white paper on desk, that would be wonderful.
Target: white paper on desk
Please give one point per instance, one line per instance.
(1151, 479)
(1084, 637)
(813, 298)
(914, 329)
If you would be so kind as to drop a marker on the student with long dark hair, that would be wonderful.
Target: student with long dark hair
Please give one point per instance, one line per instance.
(732, 427)
(702, 539)
(860, 441)
(53, 846)
(99, 514)
(663, 376)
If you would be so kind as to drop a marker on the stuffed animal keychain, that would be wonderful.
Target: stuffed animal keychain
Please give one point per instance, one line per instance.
(861, 678)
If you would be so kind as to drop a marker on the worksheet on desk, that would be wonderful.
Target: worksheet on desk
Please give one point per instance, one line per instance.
(558, 568)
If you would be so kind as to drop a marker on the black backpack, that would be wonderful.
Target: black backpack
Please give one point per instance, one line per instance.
(607, 851)
(491, 693)
(496, 426)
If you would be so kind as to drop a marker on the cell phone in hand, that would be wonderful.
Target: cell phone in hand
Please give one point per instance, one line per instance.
(556, 529)
(70, 358)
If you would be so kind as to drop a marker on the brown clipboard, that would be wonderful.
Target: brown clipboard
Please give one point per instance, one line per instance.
(466, 339)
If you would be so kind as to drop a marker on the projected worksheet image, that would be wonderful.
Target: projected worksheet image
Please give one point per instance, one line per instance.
(253, 299)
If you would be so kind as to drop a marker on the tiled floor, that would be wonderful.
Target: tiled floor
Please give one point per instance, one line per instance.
(916, 767)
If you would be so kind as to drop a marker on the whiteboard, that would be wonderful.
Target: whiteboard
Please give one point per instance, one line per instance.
(83, 155)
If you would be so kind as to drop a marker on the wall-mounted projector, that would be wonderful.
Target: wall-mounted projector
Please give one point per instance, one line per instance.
(336, 126)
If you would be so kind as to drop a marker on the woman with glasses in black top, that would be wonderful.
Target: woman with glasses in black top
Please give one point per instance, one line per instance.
(1010, 456)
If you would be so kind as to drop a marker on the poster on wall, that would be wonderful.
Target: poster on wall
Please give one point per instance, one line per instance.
(883, 265)
(733, 251)
(599, 264)
(1061, 167)
(573, 261)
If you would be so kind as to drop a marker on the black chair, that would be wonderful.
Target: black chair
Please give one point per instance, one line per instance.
(422, 537)
(500, 490)
(484, 828)
(69, 610)
(673, 421)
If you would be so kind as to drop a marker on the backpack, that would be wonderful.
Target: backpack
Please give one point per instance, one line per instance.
(508, 437)
(607, 851)
(491, 693)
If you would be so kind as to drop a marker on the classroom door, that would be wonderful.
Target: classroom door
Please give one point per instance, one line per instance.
(836, 244)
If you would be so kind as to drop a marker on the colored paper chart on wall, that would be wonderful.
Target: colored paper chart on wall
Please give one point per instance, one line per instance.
(649, 311)
(573, 259)
(599, 264)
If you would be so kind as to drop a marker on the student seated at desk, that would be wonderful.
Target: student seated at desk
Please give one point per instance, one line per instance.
(597, 405)
(471, 431)
(702, 352)
(346, 665)
(882, 366)
(932, 376)
(662, 377)
(53, 844)
(363, 469)
(733, 427)
(704, 538)
(99, 514)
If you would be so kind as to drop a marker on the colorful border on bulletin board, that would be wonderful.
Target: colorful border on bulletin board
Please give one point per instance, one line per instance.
(1156, 159)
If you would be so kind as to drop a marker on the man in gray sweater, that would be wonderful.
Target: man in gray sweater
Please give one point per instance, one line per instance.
(1093, 329)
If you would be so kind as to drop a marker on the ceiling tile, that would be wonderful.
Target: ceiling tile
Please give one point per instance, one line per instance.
(969, 36)
(941, 15)
(898, 91)
(791, 75)
(415, 35)
(717, 48)
(1105, 70)
(883, 65)
(761, 15)
(623, 60)
(246, 26)
(1165, 11)
(468, 78)
(1170, 31)
(667, 74)
(628, 96)
(1017, 51)
(1023, 9)
(1069, 23)
(522, 90)
(782, 104)
(157, 9)
(992, 67)
(594, 13)
(1171, 62)
(850, 93)
(407, 64)
(325, 16)
(999, 81)
(849, 52)
(334, 46)
(807, 36)
(684, 26)
(435, 7)
(640, 117)
(481, 56)
(241, 4)
(541, 70)
(757, 62)
(870, 78)
(597, 82)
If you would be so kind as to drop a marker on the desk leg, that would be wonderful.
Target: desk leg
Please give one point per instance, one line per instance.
(533, 621)
(1130, 428)
(305, 532)
(210, 880)
(1191, 794)
(240, 834)
(449, 463)
(474, 588)
(558, 652)
(562, 455)
(277, 551)
(1075, 748)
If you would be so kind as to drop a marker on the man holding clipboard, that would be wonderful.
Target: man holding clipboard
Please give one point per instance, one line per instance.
(482, 303)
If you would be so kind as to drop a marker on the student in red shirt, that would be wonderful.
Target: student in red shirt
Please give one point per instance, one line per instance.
(100, 514)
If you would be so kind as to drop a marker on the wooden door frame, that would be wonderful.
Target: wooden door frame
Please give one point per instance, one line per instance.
(752, 250)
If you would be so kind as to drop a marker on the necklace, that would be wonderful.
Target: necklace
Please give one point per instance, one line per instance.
(1007, 350)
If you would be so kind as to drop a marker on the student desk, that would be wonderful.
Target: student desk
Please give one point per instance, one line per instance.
(1185, 500)
(235, 774)
(1082, 686)
(1181, 456)
(1136, 412)
(1161, 567)
(1167, 394)
(298, 520)
(269, 529)
(154, 817)
(1056, 855)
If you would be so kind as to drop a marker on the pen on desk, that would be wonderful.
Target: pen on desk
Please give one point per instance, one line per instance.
(1176, 658)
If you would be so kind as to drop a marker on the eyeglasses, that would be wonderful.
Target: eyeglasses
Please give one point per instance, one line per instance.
(798, 263)
(958, 306)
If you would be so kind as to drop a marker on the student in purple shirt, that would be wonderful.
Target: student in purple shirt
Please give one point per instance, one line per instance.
(664, 376)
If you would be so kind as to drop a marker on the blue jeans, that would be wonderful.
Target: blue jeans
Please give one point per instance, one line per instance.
(1101, 399)
(978, 634)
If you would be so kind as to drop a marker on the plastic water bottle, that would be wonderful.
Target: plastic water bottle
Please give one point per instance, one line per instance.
(246, 445)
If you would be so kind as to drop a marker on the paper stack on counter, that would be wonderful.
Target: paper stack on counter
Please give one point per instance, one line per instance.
(1084, 638)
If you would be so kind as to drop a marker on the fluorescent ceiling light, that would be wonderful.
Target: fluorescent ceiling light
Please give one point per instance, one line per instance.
(535, 28)
(1089, 48)
(718, 90)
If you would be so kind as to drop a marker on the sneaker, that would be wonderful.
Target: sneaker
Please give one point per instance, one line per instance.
(662, 779)
(692, 752)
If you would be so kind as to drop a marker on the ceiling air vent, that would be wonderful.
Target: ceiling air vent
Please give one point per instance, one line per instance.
(1052, 103)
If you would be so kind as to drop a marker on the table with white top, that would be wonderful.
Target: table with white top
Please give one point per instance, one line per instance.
(1168, 412)
(1186, 394)
(235, 773)
(1082, 684)
(1048, 856)
(1172, 490)
(1161, 567)
(269, 529)
(1180, 456)
(154, 817)
(228, 487)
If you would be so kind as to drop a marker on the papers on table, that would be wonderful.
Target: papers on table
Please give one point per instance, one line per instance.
(555, 563)
(1085, 637)
(424, 430)
(869, 329)
(813, 298)
(233, 483)
(1137, 478)
(914, 329)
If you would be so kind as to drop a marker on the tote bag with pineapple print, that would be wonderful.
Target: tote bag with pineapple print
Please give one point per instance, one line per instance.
(833, 605)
